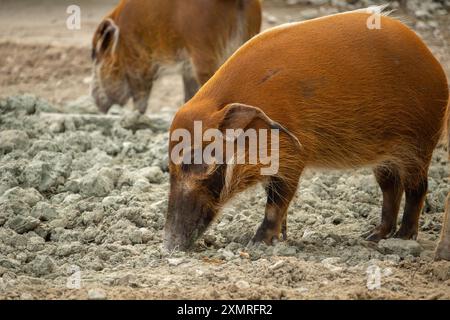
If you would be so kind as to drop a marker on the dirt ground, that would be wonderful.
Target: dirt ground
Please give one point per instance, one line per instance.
(82, 200)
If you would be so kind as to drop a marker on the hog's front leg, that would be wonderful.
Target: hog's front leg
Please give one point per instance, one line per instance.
(279, 195)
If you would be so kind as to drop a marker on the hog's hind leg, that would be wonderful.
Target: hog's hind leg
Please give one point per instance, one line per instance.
(415, 194)
(389, 180)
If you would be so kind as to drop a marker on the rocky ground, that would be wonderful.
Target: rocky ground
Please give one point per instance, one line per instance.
(83, 199)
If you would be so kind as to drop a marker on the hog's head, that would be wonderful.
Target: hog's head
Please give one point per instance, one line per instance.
(123, 66)
(201, 184)
(109, 84)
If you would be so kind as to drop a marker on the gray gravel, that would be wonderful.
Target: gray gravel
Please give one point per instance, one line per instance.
(95, 195)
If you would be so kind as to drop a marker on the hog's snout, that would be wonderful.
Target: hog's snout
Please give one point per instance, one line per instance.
(108, 88)
(103, 102)
(187, 218)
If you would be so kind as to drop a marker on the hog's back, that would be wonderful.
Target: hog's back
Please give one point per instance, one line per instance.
(351, 94)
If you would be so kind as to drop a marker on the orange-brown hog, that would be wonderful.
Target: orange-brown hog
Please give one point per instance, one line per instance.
(353, 95)
(140, 36)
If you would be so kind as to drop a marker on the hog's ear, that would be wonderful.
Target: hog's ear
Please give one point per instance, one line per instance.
(105, 39)
(239, 116)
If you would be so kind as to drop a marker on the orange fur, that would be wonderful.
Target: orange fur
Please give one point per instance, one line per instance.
(352, 96)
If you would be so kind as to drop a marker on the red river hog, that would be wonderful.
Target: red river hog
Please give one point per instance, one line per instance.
(342, 92)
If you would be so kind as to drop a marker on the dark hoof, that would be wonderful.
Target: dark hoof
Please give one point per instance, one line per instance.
(266, 235)
(377, 234)
(406, 234)
(263, 239)
(374, 237)
(258, 237)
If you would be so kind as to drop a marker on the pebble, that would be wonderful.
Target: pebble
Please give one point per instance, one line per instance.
(22, 224)
(242, 285)
(13, 140)
(400, 247)
(175, 261)
(97, 294)
(277, 265)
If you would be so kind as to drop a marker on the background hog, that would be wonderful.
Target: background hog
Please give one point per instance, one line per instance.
(140, 36)
(353, 97)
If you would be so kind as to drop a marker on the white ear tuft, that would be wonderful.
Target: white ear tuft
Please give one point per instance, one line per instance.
(109, 31)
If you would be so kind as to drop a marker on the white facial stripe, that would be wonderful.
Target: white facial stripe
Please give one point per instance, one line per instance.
(116, 35)
(228, 176)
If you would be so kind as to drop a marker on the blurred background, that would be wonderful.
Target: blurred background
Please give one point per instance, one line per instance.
(38, 54)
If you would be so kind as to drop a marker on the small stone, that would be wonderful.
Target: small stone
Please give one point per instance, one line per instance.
(244, 255)
(311, 236)
(271, 19)
(57, 126)
(42, 265)
(96, 294)
(242, 285)
(97, 184)
(330, 264)
(115, 110)
(44, 211)
(66, 250)
(48, 170)
(422, 25)
(23, 104)
(26, 296)
(422, 14)
(175, 261)
(318, 2)
(30, 196)
(35, 244)
(301, 290)
(89, 234)
(11, 140)
(152, 174)
(282, 249)
(277, 265)
(135, 236)
(9, 263)
(136, 121)
(226, 254)
(309, 13)
(400, 247)
(22, 224)
(126, 280)
(146, 234)
(442, 271)
(393, 258)
(83, 105)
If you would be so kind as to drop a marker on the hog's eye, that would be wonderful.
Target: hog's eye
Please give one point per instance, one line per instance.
(185, 167)
(194, 168)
